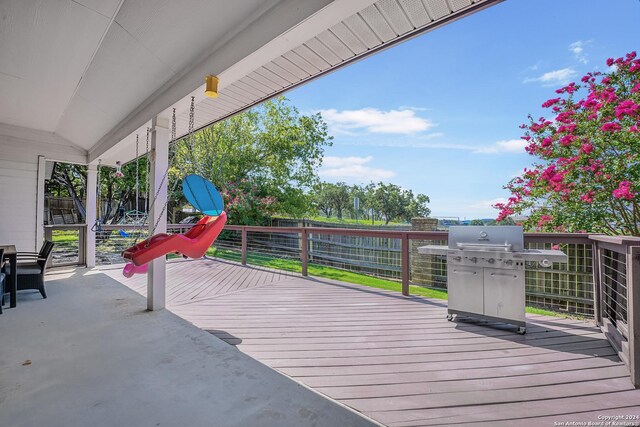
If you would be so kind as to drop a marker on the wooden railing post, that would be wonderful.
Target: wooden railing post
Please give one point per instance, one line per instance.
(244, 245)
(304, 253)
(633, 312)
(82, 242)
(596, 252)
(405, 264)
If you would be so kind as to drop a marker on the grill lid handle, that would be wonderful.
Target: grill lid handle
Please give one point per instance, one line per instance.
(484, 246)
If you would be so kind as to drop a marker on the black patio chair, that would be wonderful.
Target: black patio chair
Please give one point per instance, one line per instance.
(31, 267)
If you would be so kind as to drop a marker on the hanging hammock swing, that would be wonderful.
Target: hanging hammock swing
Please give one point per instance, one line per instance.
(204, 197)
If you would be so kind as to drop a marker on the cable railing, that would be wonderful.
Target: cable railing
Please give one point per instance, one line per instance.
(69, 244)
(617, 296)
(601, 279)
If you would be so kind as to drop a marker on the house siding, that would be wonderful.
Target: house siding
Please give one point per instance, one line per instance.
(19, 151)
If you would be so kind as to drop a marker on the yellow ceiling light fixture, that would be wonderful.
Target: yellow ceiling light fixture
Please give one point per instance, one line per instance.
(211, 86)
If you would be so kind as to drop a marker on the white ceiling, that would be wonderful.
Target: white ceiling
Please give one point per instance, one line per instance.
(96, 71)
(79, 67)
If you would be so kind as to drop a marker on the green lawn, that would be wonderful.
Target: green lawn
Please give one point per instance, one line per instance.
(349, 221)
(64, 236)
(343, 276)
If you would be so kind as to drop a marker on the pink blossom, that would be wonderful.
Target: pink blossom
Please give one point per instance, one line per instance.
(537, 127)
(566, 140)
(608, 95)
(610, 127)
(627, 108)
(586, 148)
(636, 88)
(565, 117)
(546, 142)
(550, 102)
(570, 88)
(544, 219)
(609, 62)
(624, 191)
(587, 197)
(570, 128)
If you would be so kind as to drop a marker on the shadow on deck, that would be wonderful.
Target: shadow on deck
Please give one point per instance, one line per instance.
(397, 359)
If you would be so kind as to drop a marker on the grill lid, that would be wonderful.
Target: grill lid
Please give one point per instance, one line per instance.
(501, 238)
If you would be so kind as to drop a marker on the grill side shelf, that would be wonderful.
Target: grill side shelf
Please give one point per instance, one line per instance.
(433, 250)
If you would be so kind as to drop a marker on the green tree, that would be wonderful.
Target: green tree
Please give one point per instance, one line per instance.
(339, 197)
(416, 206)
(272, 146)
(394, 202)
(588, 171)
(321, 198)
(73, 179)
(389, 201)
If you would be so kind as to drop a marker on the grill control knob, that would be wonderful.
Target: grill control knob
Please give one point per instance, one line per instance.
(508, 261)
(473, 259)
(457, 258)
(491, 260)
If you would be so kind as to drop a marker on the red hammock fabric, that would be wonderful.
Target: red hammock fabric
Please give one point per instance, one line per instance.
(193, 244)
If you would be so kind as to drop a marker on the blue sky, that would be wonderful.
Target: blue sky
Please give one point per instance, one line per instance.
(439, 114)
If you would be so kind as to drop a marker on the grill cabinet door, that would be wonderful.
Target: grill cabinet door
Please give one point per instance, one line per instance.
(465, 288)
(504, 293)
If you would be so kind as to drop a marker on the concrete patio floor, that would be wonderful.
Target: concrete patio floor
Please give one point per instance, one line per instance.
(91, 355)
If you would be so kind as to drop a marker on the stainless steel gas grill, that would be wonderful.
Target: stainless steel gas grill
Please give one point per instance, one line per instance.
(485, 268)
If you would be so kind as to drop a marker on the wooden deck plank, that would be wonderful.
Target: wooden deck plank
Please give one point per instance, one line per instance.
(397, 359)
(576, 363)
(485, 384)
(516, 413)
(466, 398)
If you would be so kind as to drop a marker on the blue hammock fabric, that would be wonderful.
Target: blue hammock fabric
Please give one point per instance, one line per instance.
(124, 233)
(202, 195)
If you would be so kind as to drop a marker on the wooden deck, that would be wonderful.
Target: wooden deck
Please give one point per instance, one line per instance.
(397, 359)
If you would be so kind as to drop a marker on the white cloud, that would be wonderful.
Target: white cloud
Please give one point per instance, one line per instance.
(353, 169)
(554, 78)
(485, 205)
(376, 121)
(577, 48)
(507, 146)
(516, 146)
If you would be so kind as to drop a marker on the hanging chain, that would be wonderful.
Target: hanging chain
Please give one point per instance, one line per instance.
(96, 225)
(146, 196)
(173, 126)
(196, 164)
(98, 191)
(191, 137)
(137, 177)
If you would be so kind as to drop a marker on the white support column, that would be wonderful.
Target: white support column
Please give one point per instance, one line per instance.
(91, 214)
(42, 164)
(156, 279)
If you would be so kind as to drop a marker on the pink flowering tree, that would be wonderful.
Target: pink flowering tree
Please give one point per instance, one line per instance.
(246, 204)
(587, 177)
